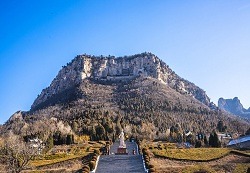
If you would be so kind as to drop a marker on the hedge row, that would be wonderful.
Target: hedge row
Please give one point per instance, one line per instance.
(150, 167)
(92, 163)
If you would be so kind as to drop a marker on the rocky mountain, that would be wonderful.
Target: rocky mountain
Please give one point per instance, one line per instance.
(98, 96)
(118, 69)
(234, 106)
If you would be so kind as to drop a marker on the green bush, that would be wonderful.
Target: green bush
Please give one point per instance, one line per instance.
(92, 165)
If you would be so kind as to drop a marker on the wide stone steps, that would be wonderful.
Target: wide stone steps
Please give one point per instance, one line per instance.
(121, 163)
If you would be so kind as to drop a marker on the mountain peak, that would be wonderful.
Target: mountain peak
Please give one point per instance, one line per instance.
(233, 106)
(113, 69)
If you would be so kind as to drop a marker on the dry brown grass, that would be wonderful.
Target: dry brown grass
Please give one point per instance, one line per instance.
(50, 159)
(167, 158)
(58, 158)
(194, 154)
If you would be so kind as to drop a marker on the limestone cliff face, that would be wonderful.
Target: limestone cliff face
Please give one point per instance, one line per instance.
(121, 68)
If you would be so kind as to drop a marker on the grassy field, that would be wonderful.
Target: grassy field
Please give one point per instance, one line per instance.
(168, 158)
(75, 152)
(52, 159)
(196, 154)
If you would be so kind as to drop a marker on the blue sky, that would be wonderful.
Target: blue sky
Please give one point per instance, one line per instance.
(205, 42)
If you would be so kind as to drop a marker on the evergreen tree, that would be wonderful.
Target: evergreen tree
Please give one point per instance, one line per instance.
(205, 140)
(73, 139)
(69, 139)
(49, 143)
(197, 144)
(221, 127)
(100, 132)
(63, 140)
(211, 139)
(214, 140)
(92, 133)
(57, 138)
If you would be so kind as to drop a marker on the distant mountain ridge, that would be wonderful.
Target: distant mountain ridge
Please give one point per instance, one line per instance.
(234, 106)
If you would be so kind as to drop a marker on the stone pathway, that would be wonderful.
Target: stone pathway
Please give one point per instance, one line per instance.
(121, 163)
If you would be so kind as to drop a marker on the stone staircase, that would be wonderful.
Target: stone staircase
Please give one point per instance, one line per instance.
(121, 163)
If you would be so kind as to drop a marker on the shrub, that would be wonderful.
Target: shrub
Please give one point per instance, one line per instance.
(94, 158)
(146, 160)
(97, 152)
(151, 166)
(214, 140)
(85, 168)
(145, 154)
(92, 165)
(144, 149)
(151, 170)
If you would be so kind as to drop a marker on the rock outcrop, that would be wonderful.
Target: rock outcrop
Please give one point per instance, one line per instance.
(233, 106)
(115, 69)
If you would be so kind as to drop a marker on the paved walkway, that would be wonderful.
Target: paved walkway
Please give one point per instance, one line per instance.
(121, 163)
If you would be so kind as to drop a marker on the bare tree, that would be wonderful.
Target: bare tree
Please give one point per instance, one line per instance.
(15, 154)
